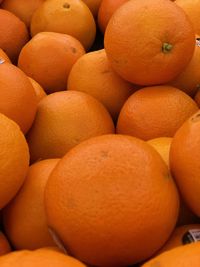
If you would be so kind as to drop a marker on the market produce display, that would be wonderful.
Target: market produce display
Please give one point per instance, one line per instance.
(99, 133)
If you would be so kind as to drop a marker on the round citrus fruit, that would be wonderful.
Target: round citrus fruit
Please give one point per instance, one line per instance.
(17, 96)
(155, 111)
(14, 159)
(48, 58)
(65, 16)
(184, 161)
(149, 42)
(108, 194)
(106, 10)
(32, 232)
(189, 79)
(63, 120)
(191, 8)
(22, 8)
(13, 34)
(104, 84)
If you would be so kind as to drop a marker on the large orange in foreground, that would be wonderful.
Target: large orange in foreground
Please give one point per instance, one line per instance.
(184, 161)
(109, 194)
(149, 42)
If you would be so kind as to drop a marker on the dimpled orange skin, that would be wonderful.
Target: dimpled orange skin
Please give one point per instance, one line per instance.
(45, 257)
(101, 195)
(143, 45)
(22, 8)
(187, 256)
(189, 80)
(48, 58)
(13, 34)
(29, 204)
(184, 161)
(106, 10)
(191, 8)
(72, 17)
(104, 84)
(14, 160)
(17, 97)
(63, 120)
(155, 111)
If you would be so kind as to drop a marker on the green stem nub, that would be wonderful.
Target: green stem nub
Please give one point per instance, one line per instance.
(166, 48)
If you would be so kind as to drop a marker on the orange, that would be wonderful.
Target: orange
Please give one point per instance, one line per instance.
(65, 16)
(39, 91)
(63, 120)
(101, 201)
(184, 161)
(93, 6)
(143, 45)
(104, 84)
(48, 58)
(45, 257)
(162, 146)
(24, 217)
(155, 111)
(17, 96)
(191, 8)
(189, 79)
(14, 159)
(106, 10)
(4, 245)
(182, 235)
(197, 97)
(187, 256)
(22, 8)
(13, 34)
(4, 57)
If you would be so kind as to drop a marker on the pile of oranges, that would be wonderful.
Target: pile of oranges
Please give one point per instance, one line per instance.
(99, 133)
